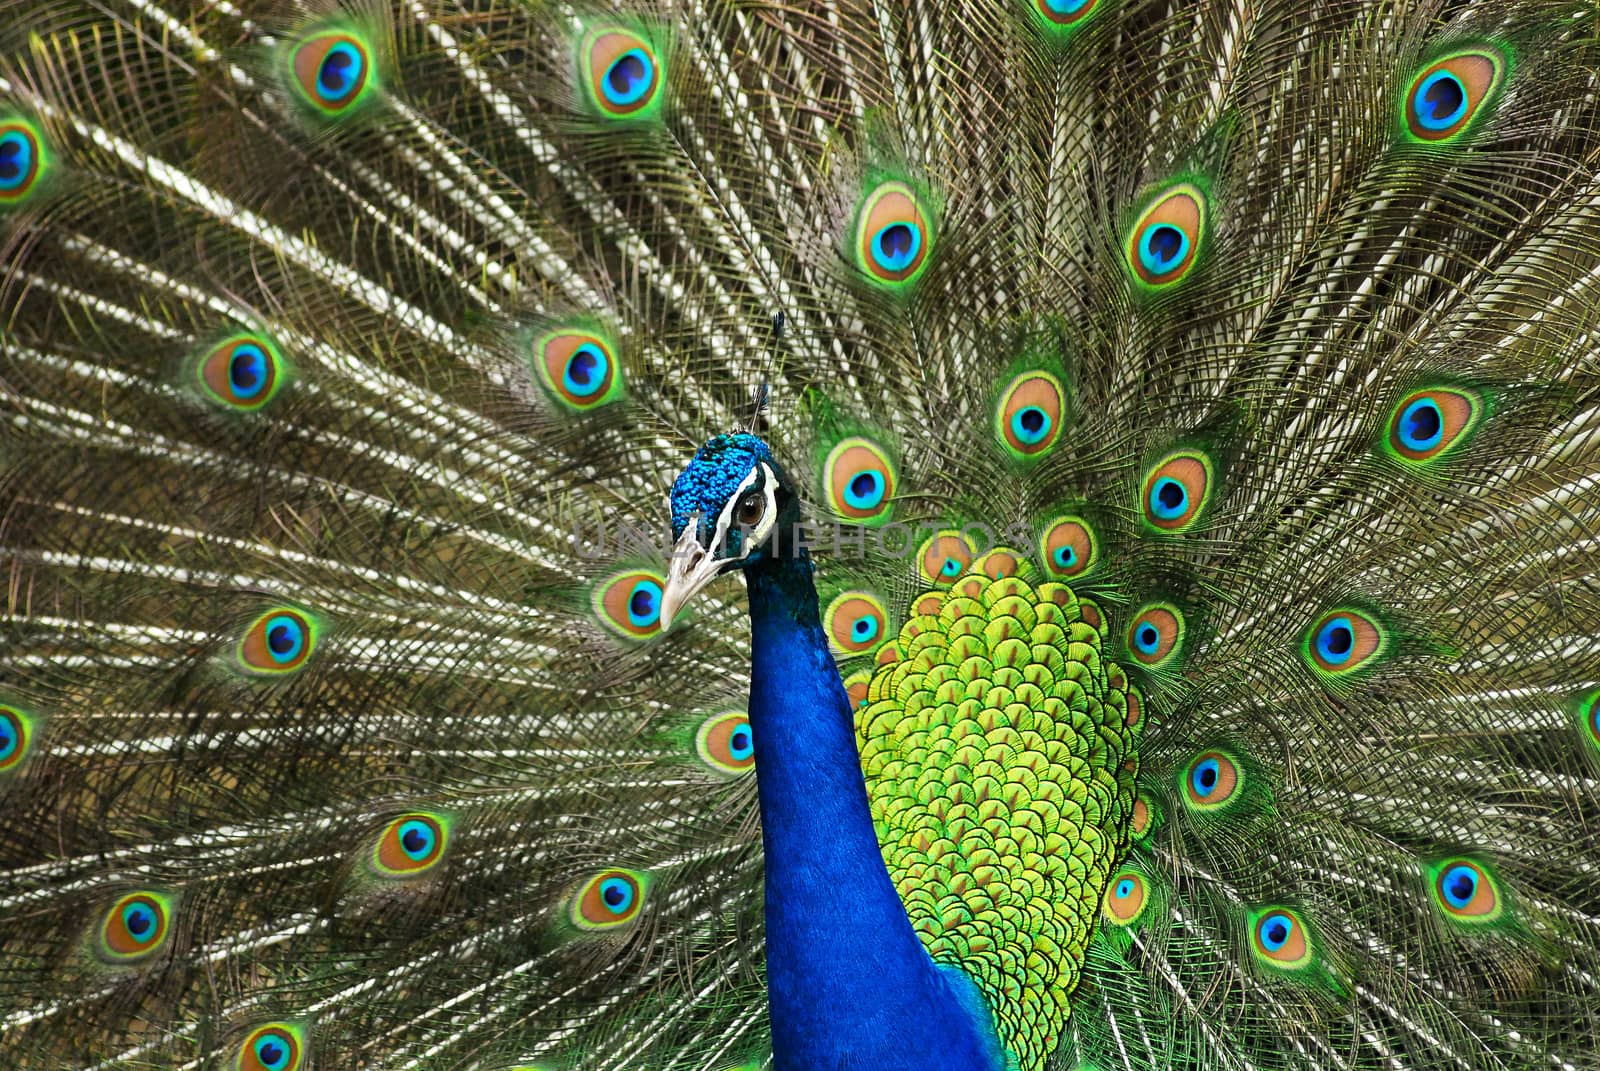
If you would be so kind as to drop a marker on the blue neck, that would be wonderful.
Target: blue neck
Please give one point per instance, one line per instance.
(848, 981)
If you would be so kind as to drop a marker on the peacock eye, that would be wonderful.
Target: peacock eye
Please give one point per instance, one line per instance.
(21, 160)
(332, 70)
(751, 508)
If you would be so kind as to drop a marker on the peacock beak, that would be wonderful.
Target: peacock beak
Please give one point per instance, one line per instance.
(692, 568)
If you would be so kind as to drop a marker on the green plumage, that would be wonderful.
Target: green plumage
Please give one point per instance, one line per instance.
(340, 399)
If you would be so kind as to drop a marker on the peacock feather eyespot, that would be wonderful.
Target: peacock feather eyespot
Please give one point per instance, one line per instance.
(856, 622)
(943, 557)
(1588, 711)
(1134, 717)
(23, 160)
(1176, 491)
(1212, 781)
(858, 481)
(1164, 244)
(273, 1047)
(1030, 415)
(1449, 95)
(1430, 423)
(610, 899)
(856, 686)
(1344, 641)
(629, 604)
(279, 641)
(16, 737)
(1465, 891)
(333, 71)
(578, 368)
(622, 73)
(1064, 14)
(1000, 563)
(243, 372)
(1069, 547)
(1280, 939)
(893, 235)
(725, 744)
(135, 927)
(410, 845)
(1143, 818)
(1155, 635)
(1125, 899)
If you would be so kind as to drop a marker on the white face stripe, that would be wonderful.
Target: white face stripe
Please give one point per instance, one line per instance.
(769, 516)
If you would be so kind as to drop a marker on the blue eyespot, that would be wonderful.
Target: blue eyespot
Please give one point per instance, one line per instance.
(17, 159)
(247, 371)
(1066, 7)
(741, 745)
(1203, 778)
(896, 246)
(1163, 248)
(1168, 498)
(273, 1052)
(644, 603)
(340, 72)
(616, 895)
(1336, 639)
(865, 490)
(9, 737)
(586, 372)
(1440, 101)
(416, 839)
(1064, 556)
(1274, 931)
(1459, 885)
(1030, 424)
(1147, 638)
(139, 921)
(286, 638)
(629, 78)
(951, 567)
(1124, 888)
(864, 629)
(1421, 425)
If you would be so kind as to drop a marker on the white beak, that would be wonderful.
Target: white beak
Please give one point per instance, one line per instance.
(692, 568)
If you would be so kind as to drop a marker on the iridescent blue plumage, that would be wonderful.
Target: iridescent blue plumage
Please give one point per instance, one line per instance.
(849, 982)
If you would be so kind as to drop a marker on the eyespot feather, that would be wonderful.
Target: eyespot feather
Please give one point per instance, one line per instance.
(859, 480)
(135, 926)
(277, 642)
(1280, 939)
(272, 1047)
(411, 845)
(332, 70)
(243, 372)
(894, 235)
(1451, 94)
(622, 73)
(1168, 238)
(577, 368)
(629, 603)
(24, 160)
(725, 743)
(610, 899)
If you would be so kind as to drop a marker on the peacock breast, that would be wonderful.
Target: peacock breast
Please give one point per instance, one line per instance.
(1000, 748)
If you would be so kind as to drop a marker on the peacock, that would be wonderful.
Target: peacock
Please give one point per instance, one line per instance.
(992, 535)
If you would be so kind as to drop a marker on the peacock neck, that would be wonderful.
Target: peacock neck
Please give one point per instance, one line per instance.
(849, 983)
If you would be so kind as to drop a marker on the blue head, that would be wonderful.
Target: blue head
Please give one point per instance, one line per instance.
(725, 508)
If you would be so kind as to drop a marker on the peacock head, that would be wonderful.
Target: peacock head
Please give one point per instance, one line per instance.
(726, 507)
